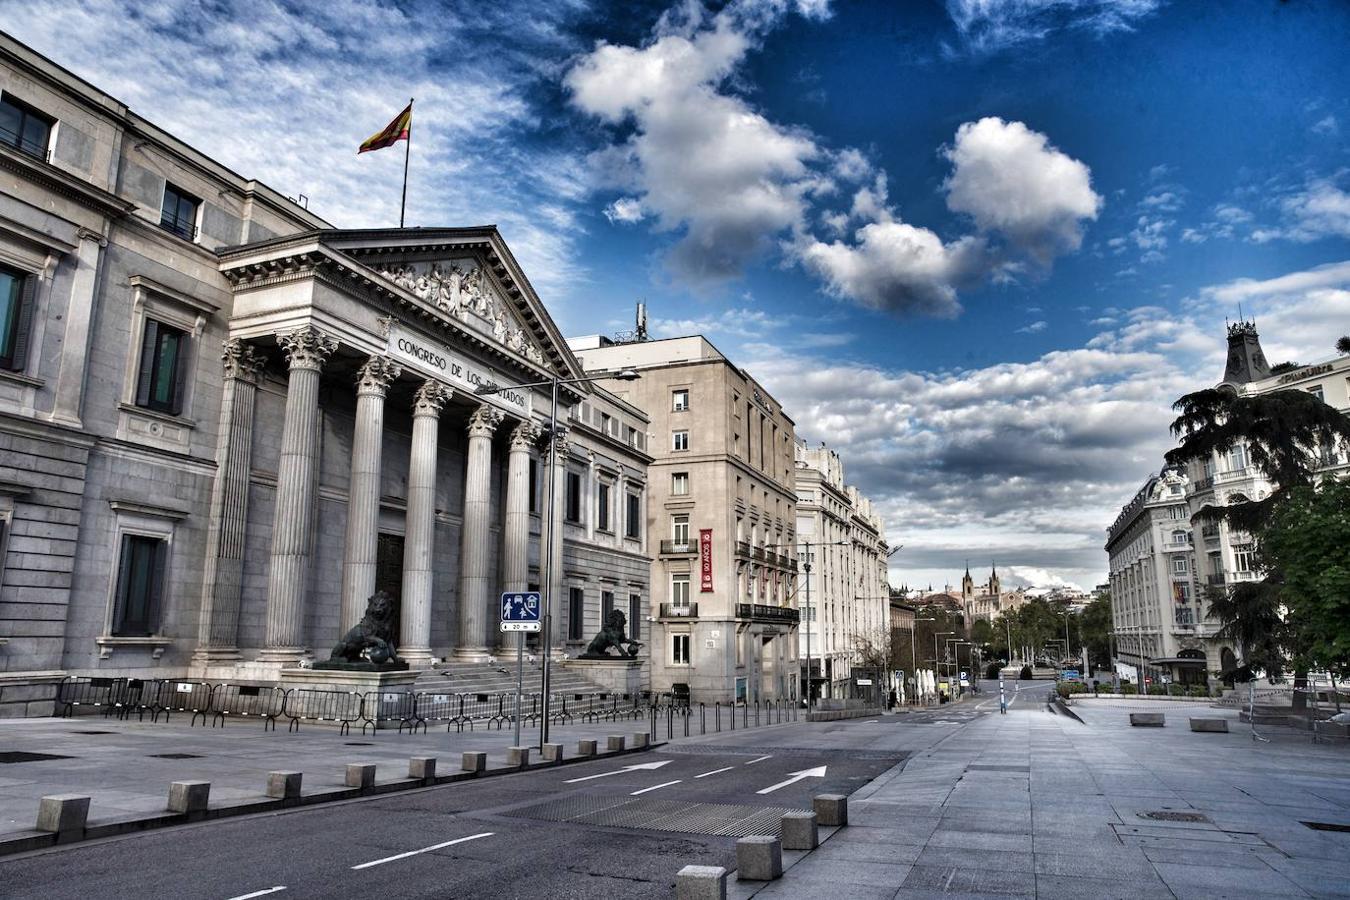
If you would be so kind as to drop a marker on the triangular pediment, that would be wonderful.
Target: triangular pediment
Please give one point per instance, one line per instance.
(470, 276)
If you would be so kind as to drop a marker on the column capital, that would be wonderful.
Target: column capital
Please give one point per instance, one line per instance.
(561, 450)
(525, 435)
(307, 348)
(376, 375)
(241, 361)
(484, 421)
(431, 396)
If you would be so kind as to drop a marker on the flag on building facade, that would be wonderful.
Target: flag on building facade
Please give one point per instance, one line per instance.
(397, 130)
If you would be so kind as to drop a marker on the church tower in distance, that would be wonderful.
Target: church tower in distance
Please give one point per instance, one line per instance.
(1246, 362)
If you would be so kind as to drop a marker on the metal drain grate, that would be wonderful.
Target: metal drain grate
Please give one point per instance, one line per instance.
(1327, 826)
(789, 752)
(23, 756)
(357, 744)
(176, 756)
(658, 815)
(93, 732)
(1168, 815)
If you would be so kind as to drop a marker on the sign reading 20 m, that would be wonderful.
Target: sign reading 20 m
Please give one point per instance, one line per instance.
(520, 611)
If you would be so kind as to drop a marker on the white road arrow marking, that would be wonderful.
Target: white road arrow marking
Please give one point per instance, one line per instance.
(817, 772)
(639, 766)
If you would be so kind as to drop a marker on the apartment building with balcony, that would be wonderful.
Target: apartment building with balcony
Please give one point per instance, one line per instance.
(721, 517)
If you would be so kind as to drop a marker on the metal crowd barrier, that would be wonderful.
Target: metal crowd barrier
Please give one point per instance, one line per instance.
(308, 704)
(95, 692)
(247, 701)
(181, 696)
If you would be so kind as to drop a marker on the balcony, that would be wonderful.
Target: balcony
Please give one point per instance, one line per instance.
(1216, 579)
(743, 549)
(674, 611)
(1233, 475)
(1178, 547)
(1204, 484)
(761, 553)
(762, 613)
(678, 548)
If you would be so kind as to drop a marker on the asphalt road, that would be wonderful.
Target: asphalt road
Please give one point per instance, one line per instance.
(610, 828)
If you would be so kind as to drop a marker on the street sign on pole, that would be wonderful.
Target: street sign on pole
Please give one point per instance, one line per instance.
(520, 611)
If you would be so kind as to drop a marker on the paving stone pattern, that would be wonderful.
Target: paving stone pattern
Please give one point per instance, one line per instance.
(1033, 804)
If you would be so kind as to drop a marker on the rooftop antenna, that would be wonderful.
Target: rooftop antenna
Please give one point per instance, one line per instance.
(641, 332)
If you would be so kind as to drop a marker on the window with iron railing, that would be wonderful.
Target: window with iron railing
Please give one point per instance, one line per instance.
(24, 128)
(179, 213)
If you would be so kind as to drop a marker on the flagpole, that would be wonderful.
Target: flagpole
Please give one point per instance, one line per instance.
(407, 149)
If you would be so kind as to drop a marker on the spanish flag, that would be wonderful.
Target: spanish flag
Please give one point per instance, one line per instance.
(397, 130)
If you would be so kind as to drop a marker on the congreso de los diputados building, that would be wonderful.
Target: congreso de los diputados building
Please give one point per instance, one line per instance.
(225, 424)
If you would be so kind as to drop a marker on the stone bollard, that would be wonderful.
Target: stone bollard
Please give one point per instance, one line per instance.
(701, 883)
(64, 814)
(799, 831)
(1215, 726)
(553, 753)
(361, 775)
(614, 742)
(759, 857)
(284, 785)
(518, 756)
(585, 748)
(640, 740)
(831, 809)
(422, 768)
(189, 796)
(474, 761)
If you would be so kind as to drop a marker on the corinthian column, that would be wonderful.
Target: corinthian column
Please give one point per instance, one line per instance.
(363, 497)
(552, 548)
(516, 530)
(420, 525)
(307, 349)
(474, 578)
(222, 577)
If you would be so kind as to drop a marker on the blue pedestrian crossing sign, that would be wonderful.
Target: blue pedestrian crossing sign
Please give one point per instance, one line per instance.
(520, 611)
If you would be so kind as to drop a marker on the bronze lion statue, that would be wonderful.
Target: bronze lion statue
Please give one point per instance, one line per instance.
(613, 635)
(373, 637)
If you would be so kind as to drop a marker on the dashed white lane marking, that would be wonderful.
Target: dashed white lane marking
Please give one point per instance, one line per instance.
(262, 893)
(656, 787)
(380, 862)
(761, 759)
(872, 722)
(715, 771)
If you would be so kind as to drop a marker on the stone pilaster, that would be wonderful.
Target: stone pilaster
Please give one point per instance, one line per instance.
(420, 525)
(222, 576)
(590, 496)
(68, 405)
(516, 528)
(307, 349)
(475, 582)
(363, 504)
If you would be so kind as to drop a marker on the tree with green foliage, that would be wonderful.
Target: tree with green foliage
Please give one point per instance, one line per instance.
(1284, 432)
(1095, 626)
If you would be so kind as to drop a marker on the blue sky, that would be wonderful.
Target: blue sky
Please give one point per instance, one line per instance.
(977, 245)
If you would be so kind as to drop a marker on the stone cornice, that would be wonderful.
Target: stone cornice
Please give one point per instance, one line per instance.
(43, 173)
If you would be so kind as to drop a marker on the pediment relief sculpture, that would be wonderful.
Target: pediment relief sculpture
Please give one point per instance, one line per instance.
(463, 291)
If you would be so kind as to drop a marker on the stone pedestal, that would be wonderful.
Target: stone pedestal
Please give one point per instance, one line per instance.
(617, 675)
(388, 684)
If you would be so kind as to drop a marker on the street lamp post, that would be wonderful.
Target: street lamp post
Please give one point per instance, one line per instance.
(806, 567)
(546, 555)
(936, 635)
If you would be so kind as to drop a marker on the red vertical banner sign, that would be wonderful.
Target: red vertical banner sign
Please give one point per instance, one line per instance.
(705, 560)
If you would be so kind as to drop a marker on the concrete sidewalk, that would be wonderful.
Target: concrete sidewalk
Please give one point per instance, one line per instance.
(1033, 804)
(126, 767)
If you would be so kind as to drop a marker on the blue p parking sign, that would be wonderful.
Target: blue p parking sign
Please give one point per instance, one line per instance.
(520, 611)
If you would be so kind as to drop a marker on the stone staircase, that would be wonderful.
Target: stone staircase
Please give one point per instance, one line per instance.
(500, 677)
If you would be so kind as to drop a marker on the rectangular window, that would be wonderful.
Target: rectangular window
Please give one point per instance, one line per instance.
(576, 614)
(679, 440)
(1316, 391)
(534, 485)
(679, 530)
(1179, 565)
(679, 400)
(17, 298)
(24, 128)
(633, 525)
(606, 605)
(163, 358)
(1244, 557)
(602, 507)
(572, 502)
(179, 212)
(679, 649)
(679, 590)
(140, 586)
(606, 424)
(635, 616)
(679, 484)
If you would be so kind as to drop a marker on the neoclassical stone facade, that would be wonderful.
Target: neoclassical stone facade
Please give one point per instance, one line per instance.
(222, 429)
